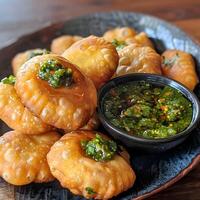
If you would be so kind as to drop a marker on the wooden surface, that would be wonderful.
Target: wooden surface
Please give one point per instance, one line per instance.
(18, 17)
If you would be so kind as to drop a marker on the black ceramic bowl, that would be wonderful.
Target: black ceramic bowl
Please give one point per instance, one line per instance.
(151, 145)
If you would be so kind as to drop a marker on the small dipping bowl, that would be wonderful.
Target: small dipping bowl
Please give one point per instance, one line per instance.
(138, 142)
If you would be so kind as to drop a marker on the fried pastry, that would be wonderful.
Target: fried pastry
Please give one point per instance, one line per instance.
(60, 44)
(180, 66)
(23, 157)
(121, 37)
(95, 57)
(93, 123)
(56, 91)
(89, 165)
(137, 59)
(22, 57)
(141, 39)
(16, 116)
(120, 34)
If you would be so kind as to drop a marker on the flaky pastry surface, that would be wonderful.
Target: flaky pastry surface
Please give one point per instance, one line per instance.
(76, 171)
(23, 157)
(67, 108)
(96, 58)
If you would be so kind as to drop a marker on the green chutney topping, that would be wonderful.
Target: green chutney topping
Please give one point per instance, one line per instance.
(38, 52)
(9, 80)
(99, 149)
(147, 111)
(119, 44)
(90, 190)
(56, 75)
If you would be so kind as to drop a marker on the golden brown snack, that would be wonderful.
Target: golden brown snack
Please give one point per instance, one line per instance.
(120, 34)
(83, 175)
(137, 59)
(180, 66)
(23, 157)
(16, 116)
(60, 44)
(126, 36)
(95, 57)
(22, 57)
(141, 39)
(93, 123)
(67, 105)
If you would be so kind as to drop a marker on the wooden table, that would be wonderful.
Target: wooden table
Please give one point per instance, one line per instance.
(19, 17)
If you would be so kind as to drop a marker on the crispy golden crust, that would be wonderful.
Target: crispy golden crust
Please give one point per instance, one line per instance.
(95, 57)
(20, 59)
(76, 172)
(16, 116)
(60, 44)
(137, 59)
(93, 123)
(181, 67)
(120, 34)
(141, 39)
(129, 36)
(67, 108)
(23, 157)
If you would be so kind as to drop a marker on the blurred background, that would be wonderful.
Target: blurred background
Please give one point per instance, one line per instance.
(19, 17)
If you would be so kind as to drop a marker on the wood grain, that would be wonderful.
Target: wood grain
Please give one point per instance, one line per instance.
(191, 27)
(19, 17)
(187, 188)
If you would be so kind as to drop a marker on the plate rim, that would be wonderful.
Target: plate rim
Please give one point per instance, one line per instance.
(179, 176)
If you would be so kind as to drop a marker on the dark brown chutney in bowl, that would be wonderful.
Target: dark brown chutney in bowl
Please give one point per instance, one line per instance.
(148, 111)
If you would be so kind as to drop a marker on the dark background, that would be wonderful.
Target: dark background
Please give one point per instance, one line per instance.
(19, 17)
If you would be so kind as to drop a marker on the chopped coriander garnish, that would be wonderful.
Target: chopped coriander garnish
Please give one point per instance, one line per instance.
(99, 148)
(56, 75)
(119, 44)
(38, 52)
(9, 80)
(90, 190)
(170, 62)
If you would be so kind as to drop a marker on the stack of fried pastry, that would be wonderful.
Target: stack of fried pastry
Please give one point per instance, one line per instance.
(51, 95)
(56, 92)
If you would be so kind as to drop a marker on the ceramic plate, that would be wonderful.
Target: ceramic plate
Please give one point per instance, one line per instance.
(154, 172)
